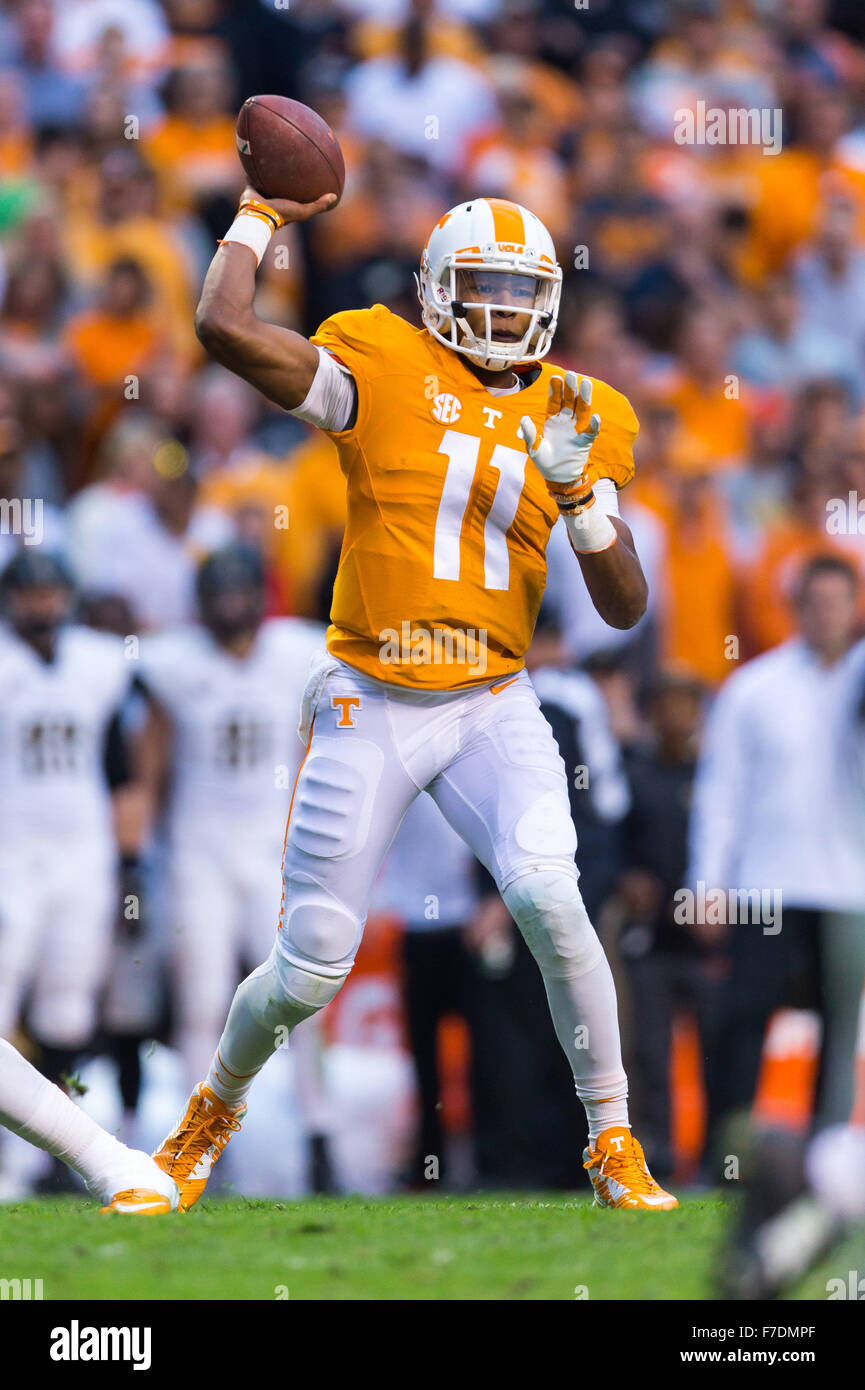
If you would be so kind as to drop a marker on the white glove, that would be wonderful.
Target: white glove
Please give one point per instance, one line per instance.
(562, 453)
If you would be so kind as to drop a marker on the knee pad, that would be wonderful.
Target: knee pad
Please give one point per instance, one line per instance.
(548, 908)
(283, 992)
(317, 928)
(313, 954)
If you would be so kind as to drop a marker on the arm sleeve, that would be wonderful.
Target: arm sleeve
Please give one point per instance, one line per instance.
(332, 398)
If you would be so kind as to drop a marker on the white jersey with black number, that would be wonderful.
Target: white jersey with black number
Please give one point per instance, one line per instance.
(236, 748)
(54, 718)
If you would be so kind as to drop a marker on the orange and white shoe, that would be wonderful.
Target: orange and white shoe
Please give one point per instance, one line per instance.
(190, 1151)
(133, 1185)
(139, 1201)
(619, 1175)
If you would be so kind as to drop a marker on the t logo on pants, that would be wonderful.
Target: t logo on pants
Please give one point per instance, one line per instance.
(345, 704)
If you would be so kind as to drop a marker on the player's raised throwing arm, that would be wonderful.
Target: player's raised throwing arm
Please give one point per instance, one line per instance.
(280, 363)
(603, 544)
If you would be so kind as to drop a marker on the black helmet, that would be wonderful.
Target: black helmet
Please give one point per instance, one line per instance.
(29, 571)
(34, 568)
(230, 588)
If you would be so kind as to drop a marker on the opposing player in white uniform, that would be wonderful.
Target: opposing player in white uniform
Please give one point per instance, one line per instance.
(226, 697)
(60, 688)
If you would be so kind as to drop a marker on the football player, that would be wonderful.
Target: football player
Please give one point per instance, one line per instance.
(126, 1179)
(225, 697)
(61, 686)
(461, 449)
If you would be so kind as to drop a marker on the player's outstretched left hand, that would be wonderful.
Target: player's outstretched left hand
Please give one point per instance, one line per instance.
(562, 453)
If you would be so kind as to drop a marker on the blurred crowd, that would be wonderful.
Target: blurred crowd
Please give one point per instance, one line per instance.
(720, 286)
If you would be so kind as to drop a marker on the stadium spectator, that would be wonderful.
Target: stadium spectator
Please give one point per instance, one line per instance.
(786, 347)
(124, 474)
(113, 344)
(514, 160)
(52, 97)
(192, 148)
(796, 536)
(81, 26)
(699, 60)
(423, 104)
(143, 534)
(784, 210)
(124, 219)
(830, 279)
(28, 521)
(709, 403)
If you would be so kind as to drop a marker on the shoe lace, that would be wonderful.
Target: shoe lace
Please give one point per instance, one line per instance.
(627, 1167)
(212, 1131)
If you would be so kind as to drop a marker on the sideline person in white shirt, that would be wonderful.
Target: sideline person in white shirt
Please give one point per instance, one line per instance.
(779, 809)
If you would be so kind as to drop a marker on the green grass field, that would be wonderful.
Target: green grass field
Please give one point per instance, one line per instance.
(475, 1247)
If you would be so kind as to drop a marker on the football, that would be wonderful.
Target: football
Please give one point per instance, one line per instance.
(287, 150)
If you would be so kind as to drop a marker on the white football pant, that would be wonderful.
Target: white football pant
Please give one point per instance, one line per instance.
(488, 758)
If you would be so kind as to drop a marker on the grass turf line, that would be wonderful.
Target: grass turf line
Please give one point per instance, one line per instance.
(473, 1247)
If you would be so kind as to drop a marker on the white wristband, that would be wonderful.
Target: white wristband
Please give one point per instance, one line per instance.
(590, 530)
(249, 230)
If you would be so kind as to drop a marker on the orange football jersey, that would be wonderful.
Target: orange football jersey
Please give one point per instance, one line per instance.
(443, 562)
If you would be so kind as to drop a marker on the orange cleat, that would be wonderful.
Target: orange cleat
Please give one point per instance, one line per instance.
(190, 1151)
(139, 1201)
(620, 1177)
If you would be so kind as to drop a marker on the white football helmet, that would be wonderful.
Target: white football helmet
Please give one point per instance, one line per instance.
(468, 249)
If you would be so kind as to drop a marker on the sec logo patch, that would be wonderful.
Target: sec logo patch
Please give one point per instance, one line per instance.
(447, 408)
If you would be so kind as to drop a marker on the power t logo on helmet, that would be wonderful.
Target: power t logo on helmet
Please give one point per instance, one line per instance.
(490, 284)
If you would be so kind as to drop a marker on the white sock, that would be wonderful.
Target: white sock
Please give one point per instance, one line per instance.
(586, 1020)
(230, 1086)
(548, 908)
(246, 1042)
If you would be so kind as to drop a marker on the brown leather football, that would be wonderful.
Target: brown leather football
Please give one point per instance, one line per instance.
(287, 150)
